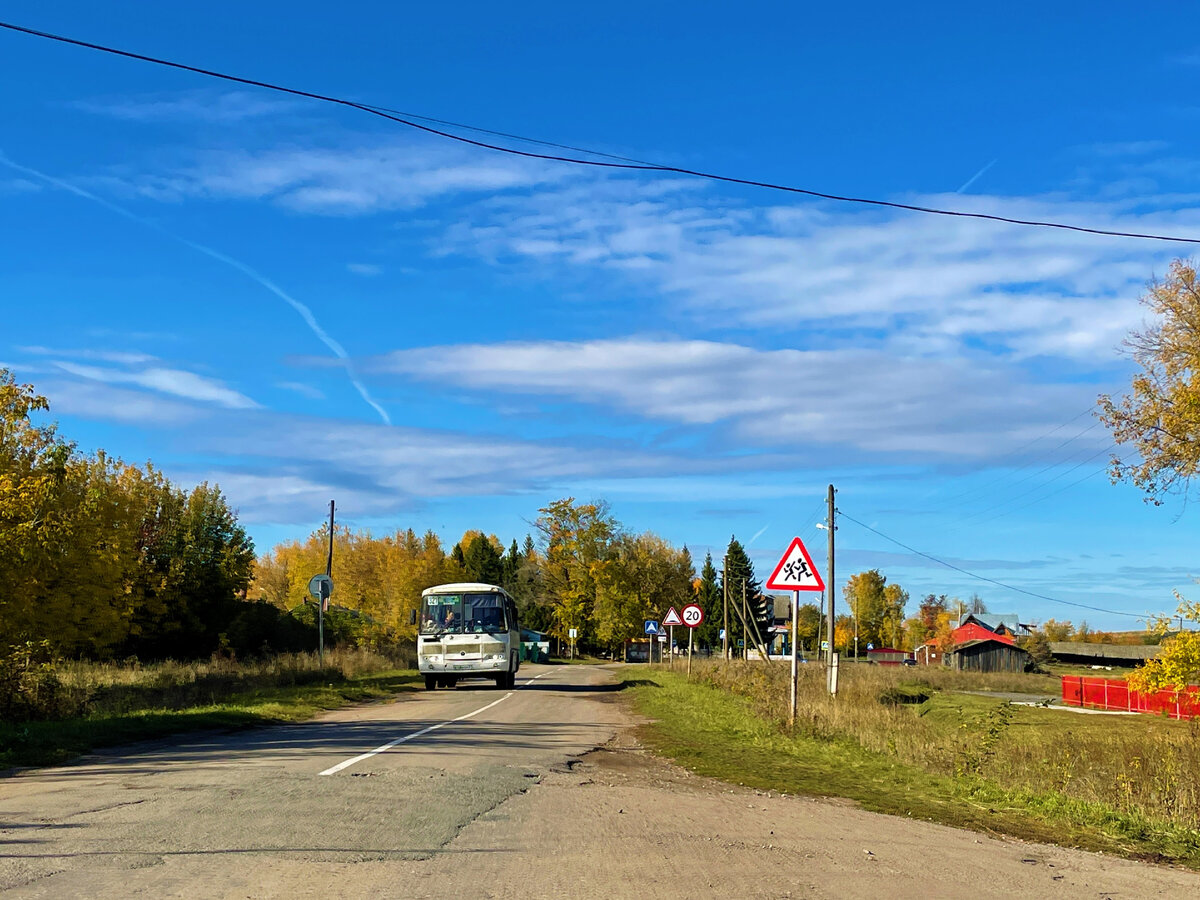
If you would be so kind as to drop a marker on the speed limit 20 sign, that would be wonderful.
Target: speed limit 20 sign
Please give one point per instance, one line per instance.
(692, 615)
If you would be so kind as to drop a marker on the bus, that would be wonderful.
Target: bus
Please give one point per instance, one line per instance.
(468, 630)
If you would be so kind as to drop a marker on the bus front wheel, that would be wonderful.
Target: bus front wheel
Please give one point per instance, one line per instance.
(430, 682)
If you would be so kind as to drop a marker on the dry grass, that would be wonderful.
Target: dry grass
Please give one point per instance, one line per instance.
(105, 704)
(117, 688)
(1142, 765)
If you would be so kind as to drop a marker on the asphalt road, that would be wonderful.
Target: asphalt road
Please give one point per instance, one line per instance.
(485, 793)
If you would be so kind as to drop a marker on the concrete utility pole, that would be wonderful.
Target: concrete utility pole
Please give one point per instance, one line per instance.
(725, 607)
(829, 585)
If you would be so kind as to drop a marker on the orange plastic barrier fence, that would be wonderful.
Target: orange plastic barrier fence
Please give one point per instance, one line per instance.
(1115, 694)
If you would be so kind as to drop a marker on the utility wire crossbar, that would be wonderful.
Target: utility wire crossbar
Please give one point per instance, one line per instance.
(615, 163)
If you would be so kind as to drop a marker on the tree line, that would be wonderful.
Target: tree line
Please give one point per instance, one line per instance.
(580, 568)
(102, 558)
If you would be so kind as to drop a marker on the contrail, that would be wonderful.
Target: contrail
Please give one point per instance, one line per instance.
(970, 181)
(302, 309)
(757, 535)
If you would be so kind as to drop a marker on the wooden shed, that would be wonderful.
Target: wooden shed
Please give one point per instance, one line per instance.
(988, 655)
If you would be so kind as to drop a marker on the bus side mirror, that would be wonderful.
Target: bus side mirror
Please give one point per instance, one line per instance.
(412, 617)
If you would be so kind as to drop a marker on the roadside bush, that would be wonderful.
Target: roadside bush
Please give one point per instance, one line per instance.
(30, 687)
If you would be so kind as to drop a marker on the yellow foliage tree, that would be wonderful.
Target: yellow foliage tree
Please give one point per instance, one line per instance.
(1160, 416)
(1178, 665)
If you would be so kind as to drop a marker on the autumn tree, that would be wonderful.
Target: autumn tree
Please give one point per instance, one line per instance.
(1178, 663)
(867, 602)
(891, 627)
(809, 626)
(1159, 418)
(577, 545)
(645, 577)
(1058, 631)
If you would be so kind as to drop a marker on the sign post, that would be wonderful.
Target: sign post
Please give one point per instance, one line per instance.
(693, 615)
(320, 588)
(671, 619)
(652, 629)
(796, 572)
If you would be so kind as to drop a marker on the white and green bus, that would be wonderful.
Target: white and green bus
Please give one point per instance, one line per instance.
(468, 630)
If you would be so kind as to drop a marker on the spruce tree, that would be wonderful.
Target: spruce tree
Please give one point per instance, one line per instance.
(739, 571)
(709, 632)
(481, 561)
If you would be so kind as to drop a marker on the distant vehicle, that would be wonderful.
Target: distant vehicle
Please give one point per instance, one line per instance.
(909, 662)
(468, 630)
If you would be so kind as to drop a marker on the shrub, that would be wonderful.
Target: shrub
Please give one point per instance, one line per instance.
(30, 687)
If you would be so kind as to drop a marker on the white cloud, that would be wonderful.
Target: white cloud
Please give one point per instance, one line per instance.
(304, 390)
(176, 382)
(277, 467)
(872, 400)
(193, 106)
(370, 178)
(922, 281)
(113, 356)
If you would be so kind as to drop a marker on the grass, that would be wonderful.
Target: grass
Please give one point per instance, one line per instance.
(964, 760)
(117, 704)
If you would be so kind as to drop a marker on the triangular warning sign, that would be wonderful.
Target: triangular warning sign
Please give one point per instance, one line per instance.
(796, 571)
(672, 617)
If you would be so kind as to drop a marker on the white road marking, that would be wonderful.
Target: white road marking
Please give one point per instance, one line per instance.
(416, 734)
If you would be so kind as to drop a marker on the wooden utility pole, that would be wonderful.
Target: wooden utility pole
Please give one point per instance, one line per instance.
(321, 602)
(745, 630)
(725, 607)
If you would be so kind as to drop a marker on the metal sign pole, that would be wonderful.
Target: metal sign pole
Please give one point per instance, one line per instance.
(691, 632)
(671, 646)
(795, 653)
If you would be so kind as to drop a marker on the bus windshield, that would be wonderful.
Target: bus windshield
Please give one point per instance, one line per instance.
(463, 614)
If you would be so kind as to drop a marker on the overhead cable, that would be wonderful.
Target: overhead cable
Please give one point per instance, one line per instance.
(1009, 587)
(611, 164)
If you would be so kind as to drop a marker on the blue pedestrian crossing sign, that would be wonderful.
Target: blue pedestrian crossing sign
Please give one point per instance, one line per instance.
(651, 626)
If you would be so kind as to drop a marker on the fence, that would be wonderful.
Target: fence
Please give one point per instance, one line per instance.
(1114, 694)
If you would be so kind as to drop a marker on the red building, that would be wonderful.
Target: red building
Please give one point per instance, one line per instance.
(973, 632)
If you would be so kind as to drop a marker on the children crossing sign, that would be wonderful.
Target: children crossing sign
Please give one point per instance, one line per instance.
(796, 571)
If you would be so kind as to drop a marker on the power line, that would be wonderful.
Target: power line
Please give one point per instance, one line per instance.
(1058, 491)
(1005, 474)
(984, 577)
(1036, 488)
(616, 163)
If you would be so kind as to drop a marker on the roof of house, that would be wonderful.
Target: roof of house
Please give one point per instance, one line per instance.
(992, 621)
(973, 632)
(886, 650)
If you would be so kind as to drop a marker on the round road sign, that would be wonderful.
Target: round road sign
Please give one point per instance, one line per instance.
(692, 615)
(320, 586)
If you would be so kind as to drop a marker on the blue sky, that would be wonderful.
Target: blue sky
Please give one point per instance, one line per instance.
(303, 302)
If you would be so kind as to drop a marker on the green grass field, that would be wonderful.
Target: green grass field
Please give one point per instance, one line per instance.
(959, 759)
